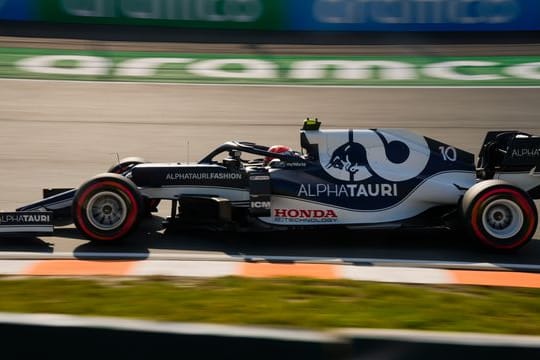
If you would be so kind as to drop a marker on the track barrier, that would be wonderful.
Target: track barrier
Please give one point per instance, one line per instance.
(66, 337)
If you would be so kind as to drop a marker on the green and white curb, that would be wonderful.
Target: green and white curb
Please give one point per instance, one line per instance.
(118, 66)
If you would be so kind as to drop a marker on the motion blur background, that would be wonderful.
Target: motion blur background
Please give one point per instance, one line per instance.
(169, 80)
(298, 15)
(451, 69)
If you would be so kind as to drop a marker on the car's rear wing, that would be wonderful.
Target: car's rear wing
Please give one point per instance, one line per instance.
(512, 156)
(508, 151)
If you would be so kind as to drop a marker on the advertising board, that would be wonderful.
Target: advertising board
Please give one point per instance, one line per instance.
(415, 15)
(16, 10)
(210, 14)
(297, 15)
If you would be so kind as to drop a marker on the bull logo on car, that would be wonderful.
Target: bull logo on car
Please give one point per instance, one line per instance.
(350, 157)
(357, 155)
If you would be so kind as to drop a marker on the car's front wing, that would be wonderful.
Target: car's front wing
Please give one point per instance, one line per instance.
(26, 222)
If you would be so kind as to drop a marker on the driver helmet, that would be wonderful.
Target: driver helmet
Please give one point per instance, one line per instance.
(278, 149)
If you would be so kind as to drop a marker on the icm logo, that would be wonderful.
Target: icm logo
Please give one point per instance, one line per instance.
(357, 155)
(260, 204)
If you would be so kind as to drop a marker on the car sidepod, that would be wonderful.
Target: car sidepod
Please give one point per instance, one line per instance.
(356, 177)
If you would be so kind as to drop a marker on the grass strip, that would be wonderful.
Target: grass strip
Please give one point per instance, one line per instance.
(282, 302)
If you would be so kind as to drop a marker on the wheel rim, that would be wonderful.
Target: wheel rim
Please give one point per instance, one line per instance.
(106, 210)
(502, 218)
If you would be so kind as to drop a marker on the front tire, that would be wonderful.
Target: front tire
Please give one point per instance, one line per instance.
(500, 216)
(125, 164)
(107, 207)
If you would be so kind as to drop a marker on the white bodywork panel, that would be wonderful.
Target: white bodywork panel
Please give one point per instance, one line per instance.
(437, 190)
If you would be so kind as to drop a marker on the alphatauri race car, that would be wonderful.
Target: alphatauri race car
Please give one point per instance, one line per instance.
(351, 178)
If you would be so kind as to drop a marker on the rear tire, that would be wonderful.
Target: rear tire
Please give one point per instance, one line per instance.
(107, 207)
(500, 216)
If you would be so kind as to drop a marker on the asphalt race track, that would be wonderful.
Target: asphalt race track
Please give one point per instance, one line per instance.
(58, 134)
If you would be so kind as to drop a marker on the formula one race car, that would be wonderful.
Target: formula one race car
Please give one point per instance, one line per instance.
(357, 179)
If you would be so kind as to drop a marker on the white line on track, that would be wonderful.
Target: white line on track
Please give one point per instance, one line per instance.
(275, 85)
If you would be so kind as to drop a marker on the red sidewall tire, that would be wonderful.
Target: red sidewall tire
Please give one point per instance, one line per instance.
(118, 185)
(475, 206)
